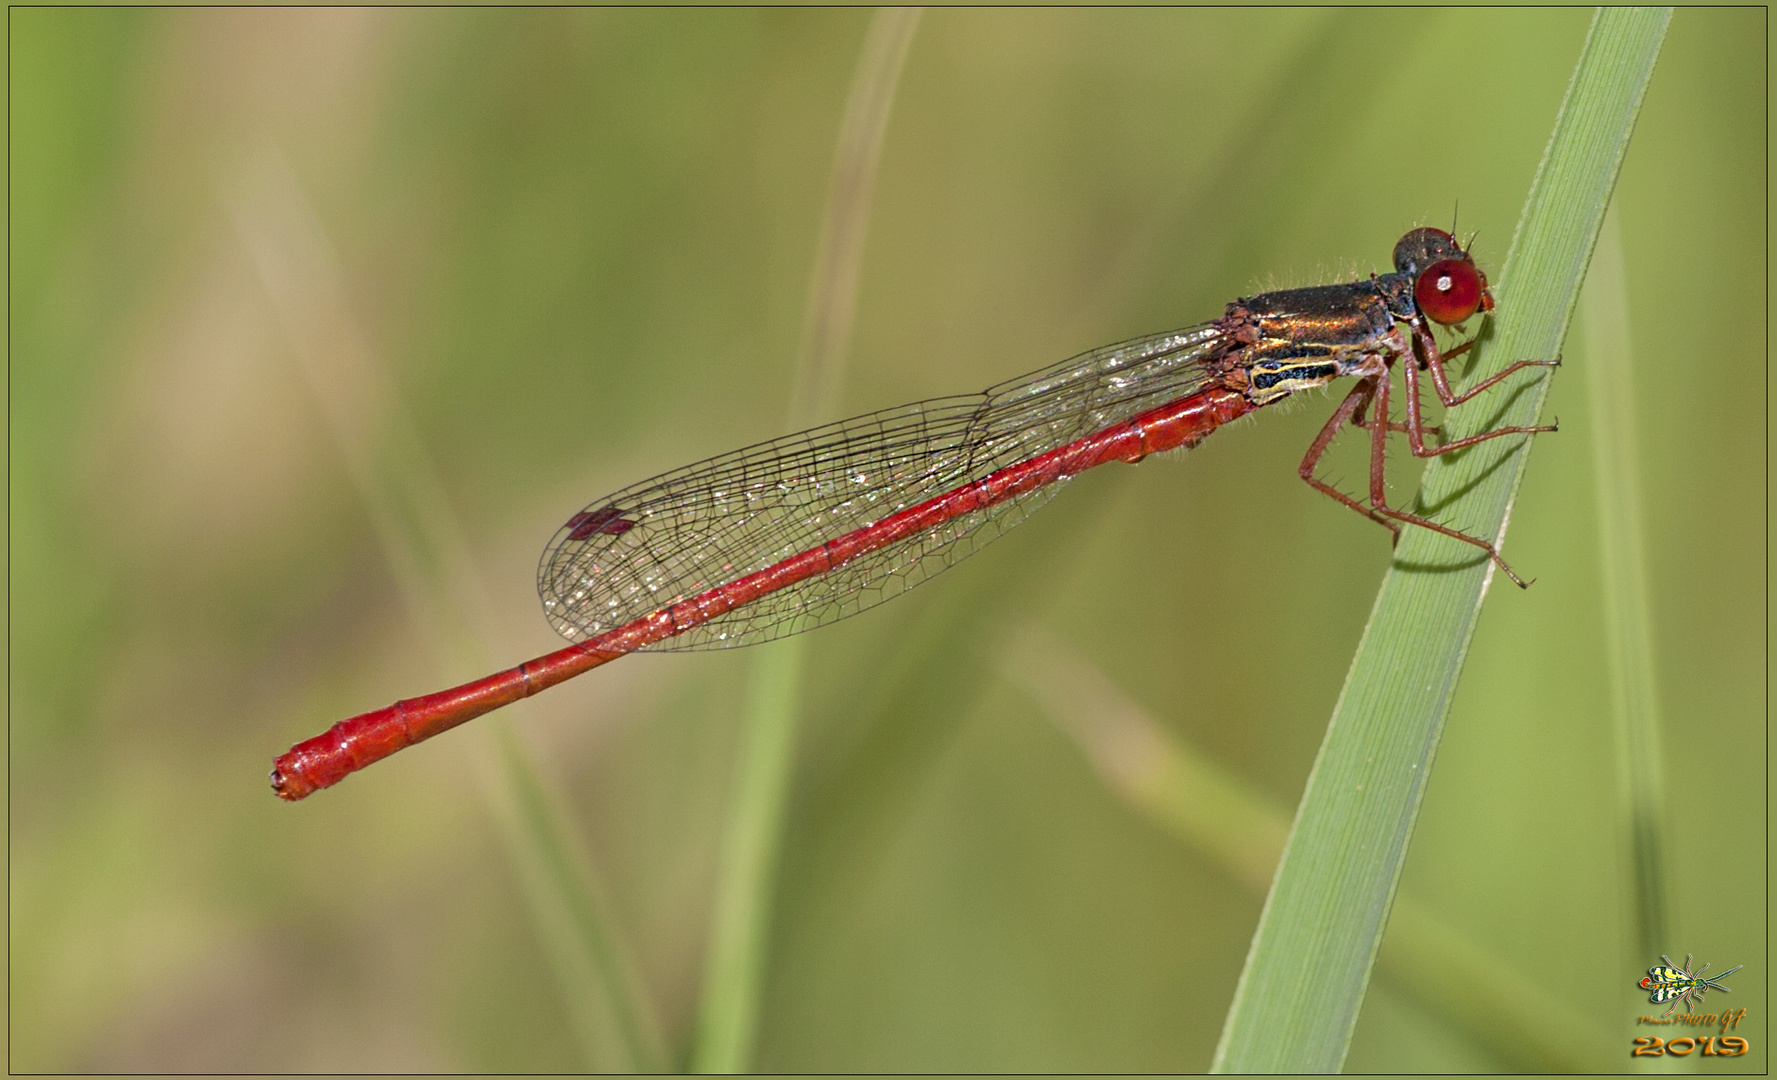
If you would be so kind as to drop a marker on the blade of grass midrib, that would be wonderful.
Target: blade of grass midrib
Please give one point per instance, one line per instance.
(1309, 964)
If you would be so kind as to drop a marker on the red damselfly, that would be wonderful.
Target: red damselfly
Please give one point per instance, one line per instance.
(807, 529)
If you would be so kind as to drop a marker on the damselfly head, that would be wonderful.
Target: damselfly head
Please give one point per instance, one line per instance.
(1447, 285)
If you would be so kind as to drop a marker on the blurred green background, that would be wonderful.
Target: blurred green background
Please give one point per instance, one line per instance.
(573, 249)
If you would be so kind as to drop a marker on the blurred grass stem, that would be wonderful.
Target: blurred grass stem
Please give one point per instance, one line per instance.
(425, 548)
(1309, 964)
(728, 1016)
(1628, 622)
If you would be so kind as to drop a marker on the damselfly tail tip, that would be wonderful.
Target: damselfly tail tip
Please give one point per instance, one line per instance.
(290, 786)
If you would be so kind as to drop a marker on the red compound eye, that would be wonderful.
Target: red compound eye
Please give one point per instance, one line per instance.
(1450, 290)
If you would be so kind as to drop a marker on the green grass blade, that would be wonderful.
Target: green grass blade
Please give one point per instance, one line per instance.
(424, 546)
(1235, 826)
(1309, 964)
(1628, 625)
(728, 1016)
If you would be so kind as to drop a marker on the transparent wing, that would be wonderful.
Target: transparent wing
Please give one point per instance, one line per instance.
(685, 532)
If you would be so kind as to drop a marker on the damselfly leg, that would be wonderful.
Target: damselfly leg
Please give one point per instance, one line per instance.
(1432, 360)
(1374, 390)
